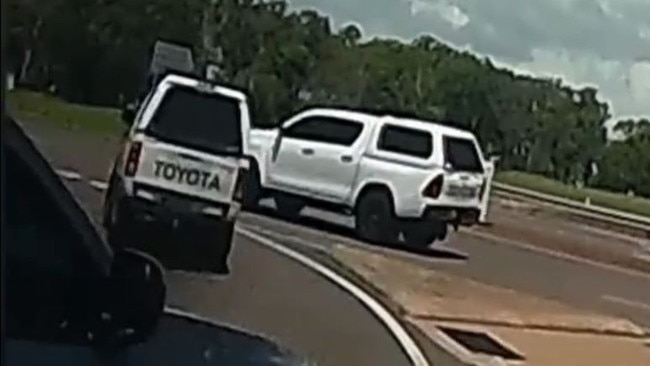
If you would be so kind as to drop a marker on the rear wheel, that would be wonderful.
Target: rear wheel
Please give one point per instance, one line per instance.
(108, 201)
(252, 189)
(119, 224)
(288, 207)
(193, 246)
(375, 220)
(217, 250)
(422, 233)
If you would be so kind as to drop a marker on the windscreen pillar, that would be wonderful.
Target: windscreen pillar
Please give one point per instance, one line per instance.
(490, 168)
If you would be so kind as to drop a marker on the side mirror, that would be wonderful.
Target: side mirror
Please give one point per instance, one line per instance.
(128, 114)
(133, 300)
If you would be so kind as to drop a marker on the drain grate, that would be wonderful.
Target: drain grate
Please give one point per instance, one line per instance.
(479, 342)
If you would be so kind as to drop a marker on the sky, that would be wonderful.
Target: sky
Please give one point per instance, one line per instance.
(602, 43)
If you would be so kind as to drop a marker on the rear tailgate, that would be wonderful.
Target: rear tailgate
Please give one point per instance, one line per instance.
(463, 188)
(465, 173)
(187, 171)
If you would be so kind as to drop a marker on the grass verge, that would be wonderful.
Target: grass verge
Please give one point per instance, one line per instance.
(49, 110)
(616, 201)
(41, 108)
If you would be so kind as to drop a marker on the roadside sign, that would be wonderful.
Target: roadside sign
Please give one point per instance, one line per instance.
(169, 56)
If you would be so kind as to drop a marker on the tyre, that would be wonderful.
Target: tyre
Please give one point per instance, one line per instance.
(252, 189)
(375, 220)
(108, 202)
(198, 247)
(288, 207)
(213, 253)
(118, 220)
(422, 233)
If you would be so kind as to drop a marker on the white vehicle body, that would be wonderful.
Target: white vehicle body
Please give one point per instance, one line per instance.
(183, 156)
(344, 152)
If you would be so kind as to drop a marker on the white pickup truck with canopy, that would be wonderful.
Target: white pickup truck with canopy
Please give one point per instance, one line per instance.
(395, 175)
(181, 165)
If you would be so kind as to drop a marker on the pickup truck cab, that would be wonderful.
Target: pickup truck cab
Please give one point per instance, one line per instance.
(395, 175)
(180, 166)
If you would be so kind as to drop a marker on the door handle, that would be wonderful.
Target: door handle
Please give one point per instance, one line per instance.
(307, 151)
(346, 158)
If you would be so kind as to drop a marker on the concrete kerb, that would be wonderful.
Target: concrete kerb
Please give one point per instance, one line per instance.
(440, 349)
(444, 347)
(440, 346)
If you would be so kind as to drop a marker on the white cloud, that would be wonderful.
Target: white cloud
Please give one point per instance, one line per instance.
(450, 13)
(597, 42)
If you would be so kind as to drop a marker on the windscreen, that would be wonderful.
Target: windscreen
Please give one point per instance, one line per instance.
(462, 155)
(198, 120)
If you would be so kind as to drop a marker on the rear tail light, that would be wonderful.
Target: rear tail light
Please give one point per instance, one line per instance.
(132, 159)
(434, 188)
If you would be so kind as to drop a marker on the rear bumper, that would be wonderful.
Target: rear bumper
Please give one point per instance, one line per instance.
(462, 216)
(143, 211)
(150, 204)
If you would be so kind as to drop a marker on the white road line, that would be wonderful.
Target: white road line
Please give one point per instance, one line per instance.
(98, 185)
(626, 302)
(68, 174)
(413, 352)
(270, 233)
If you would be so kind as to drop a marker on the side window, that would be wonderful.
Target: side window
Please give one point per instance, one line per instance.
(407, 141)
(326, 129)
(46, 269)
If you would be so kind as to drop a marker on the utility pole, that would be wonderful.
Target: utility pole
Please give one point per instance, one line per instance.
(210, 57)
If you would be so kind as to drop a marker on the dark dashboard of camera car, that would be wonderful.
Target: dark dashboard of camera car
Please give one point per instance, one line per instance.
(68, 299)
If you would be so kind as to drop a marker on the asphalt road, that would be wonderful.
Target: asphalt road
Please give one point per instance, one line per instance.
(312, 316)
(619, 293)
(266, 293)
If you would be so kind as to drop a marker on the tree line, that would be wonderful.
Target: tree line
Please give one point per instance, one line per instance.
(97, 52)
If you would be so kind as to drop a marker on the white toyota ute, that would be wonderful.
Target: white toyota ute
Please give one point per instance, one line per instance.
(181, 166)
(395, 175)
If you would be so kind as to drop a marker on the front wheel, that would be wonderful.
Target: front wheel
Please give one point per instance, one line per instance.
(375, 220)
(288, 207)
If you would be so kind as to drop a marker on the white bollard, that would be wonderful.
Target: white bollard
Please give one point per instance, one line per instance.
(490, 167)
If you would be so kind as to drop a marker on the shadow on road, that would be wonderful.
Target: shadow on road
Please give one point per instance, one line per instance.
(347, 232)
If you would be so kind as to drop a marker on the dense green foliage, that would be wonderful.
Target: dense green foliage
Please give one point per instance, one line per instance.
(95, 51)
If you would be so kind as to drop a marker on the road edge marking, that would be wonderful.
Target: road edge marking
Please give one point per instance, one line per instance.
(98, 185)
(627, 302)
(68, 174)
(406, 342)
(557, 254)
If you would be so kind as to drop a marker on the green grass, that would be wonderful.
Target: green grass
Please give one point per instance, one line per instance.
(617, 201)
(46, 109)
(42, 108)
